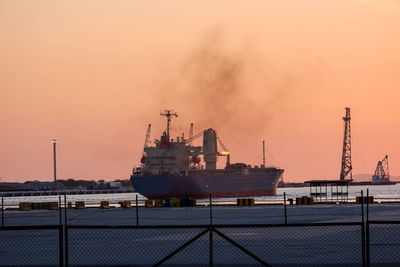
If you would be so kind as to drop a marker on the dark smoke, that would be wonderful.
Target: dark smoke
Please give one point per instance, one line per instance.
(226, 89)
(218, 79)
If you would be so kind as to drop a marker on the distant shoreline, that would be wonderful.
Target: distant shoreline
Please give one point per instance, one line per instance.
(288, 185)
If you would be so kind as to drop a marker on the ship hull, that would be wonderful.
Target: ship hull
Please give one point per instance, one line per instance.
(260, 183)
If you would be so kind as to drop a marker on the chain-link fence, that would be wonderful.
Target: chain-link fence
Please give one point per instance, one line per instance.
(383, 243)
(126, 245)
(31, 246)
(233, 239)
(315, 244)
(262, 214)
(258, 214)
(295, 245)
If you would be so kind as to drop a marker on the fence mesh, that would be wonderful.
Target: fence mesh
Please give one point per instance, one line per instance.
(277, 245)
(297, 245)
(29, 247)
(384, 244)
(128, 246)
(280, 245)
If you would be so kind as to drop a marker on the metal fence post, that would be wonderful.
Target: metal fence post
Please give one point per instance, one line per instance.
(60, 208)
(65, 230)
(61, 245)
(367, 214)
(367, 249)
(284, 205)
(211, 247)
(211, 217)
(362, 229)
(137, 211)
(2, 211)
(326, 193)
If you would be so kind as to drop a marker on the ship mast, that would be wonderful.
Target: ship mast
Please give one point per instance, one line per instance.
(168, 113)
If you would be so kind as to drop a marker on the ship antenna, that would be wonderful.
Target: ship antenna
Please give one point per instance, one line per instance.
(168, 113)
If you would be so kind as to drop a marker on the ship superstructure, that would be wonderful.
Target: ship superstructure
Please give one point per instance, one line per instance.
(173, 168)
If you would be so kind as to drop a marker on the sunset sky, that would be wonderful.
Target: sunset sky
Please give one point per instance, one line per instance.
(93, 74)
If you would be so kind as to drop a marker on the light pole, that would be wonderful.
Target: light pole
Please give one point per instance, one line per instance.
(54, 141)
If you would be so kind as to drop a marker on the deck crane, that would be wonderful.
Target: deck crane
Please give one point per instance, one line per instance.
(224, 153)
(195, 151)
(382, 171)
(194, 137)
(146, 143)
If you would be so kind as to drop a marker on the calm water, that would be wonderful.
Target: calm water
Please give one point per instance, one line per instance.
(380, 193)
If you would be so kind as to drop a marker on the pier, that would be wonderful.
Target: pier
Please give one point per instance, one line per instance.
(64, 192)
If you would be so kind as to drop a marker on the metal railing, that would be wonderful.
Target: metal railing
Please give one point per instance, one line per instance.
(258, 244)
(216, 244)
(362, 243)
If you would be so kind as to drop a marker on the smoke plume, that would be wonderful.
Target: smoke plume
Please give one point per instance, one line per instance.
(225, 89)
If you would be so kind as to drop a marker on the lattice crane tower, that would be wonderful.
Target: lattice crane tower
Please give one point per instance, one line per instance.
(382, 171)
(346, 155)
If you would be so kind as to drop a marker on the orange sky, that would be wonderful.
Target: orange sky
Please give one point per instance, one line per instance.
(93, 74)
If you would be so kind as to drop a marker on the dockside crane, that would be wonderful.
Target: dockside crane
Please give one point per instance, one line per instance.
(382, 171)
(346, 154)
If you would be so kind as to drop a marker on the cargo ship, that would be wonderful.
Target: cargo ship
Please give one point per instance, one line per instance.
(174, 168)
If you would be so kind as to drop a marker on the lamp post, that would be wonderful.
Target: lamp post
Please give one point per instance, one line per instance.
(54, 141)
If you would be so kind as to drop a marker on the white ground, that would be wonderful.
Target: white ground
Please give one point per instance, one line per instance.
(264, 214)
(295, 246)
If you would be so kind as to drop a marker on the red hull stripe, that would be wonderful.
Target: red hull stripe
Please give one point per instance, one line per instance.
(250, 193)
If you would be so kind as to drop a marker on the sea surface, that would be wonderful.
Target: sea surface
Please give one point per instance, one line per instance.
(381, 193)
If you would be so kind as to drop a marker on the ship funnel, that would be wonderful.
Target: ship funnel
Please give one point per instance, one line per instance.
(210, 149)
